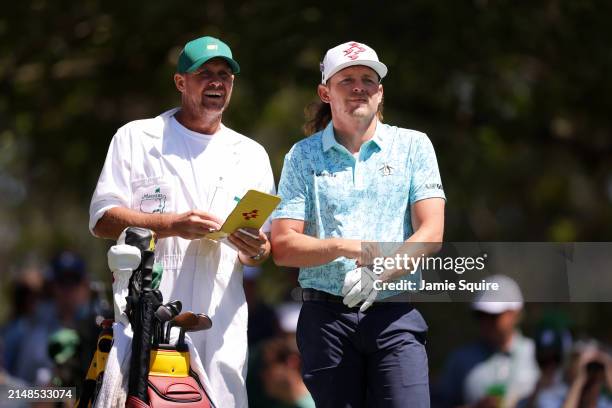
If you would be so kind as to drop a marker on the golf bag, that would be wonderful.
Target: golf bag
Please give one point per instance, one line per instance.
(170, 382)
(159, 373)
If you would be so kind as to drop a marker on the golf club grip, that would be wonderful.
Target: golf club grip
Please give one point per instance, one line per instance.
(148, 258)
(141, 238)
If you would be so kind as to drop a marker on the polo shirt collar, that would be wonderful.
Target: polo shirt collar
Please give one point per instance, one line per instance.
(329, 140)
(379, 137)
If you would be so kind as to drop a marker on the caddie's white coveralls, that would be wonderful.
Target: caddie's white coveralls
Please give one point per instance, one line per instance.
(150, 168)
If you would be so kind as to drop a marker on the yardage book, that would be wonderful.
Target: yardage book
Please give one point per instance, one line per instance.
(250, 212)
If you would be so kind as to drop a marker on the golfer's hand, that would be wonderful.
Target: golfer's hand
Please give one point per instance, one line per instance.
(193, 224)
(359, 287)
(250, 243)
(369, 252)
(362, 252)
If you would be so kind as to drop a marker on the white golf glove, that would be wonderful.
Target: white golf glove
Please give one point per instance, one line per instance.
(359, 287)
(122, 260)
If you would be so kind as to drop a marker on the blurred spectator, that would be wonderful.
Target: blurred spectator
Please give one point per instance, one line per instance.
(64, 347)
(25, 335)
(500, 368)
(553, 341)
(262, 323)
(281, 373)
(80, 305)
(27, 291)
(36, 318)
(9, 383)
(275, 379)
(587, 381)
(70, 288)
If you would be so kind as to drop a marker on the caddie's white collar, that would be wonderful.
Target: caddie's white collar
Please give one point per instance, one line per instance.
(156, 126)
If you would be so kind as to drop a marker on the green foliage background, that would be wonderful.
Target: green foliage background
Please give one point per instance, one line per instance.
(516, 97)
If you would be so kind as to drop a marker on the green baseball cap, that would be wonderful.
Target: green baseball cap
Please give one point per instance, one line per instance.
(199, 51)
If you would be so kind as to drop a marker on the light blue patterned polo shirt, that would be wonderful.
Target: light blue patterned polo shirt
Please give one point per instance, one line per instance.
(367, 197)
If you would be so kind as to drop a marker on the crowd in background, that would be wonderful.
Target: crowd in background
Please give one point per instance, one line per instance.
(50, 337)
(52, 328)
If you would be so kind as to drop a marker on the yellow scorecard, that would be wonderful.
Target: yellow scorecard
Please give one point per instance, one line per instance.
(250, 212)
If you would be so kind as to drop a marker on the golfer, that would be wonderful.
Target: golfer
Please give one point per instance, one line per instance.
(354, 180)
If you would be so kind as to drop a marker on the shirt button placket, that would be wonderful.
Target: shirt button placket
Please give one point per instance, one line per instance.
(358, 173)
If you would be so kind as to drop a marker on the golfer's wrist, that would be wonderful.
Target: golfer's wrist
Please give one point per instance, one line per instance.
(341, 247)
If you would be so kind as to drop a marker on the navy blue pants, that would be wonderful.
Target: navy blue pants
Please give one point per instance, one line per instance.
(371, 359)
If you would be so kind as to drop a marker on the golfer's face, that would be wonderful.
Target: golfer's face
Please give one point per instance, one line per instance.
(355, 91)
(209, 88)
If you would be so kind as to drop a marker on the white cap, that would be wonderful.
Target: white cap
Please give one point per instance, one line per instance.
(349, 54)
(508, 297)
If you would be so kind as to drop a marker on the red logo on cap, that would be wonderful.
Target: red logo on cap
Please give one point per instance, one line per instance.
(353, 51)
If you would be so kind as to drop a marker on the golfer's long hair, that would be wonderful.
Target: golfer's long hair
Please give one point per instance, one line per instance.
(318, 115)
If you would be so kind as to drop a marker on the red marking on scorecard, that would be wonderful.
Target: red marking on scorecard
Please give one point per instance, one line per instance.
(250, 215)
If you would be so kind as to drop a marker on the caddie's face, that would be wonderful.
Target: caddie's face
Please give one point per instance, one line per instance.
(354, 92)
(208, 89)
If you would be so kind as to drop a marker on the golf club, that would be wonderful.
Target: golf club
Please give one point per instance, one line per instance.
(202, 322)
(163, 314)
(183, 319)
(188, 321)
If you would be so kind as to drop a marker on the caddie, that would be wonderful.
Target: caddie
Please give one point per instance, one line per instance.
(179, 174)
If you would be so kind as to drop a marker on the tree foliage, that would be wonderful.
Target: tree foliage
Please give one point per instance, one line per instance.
(515, 97)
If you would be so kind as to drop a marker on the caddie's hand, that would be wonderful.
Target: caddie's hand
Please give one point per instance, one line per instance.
(252, 244)
(194, 224)
(359, 287)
